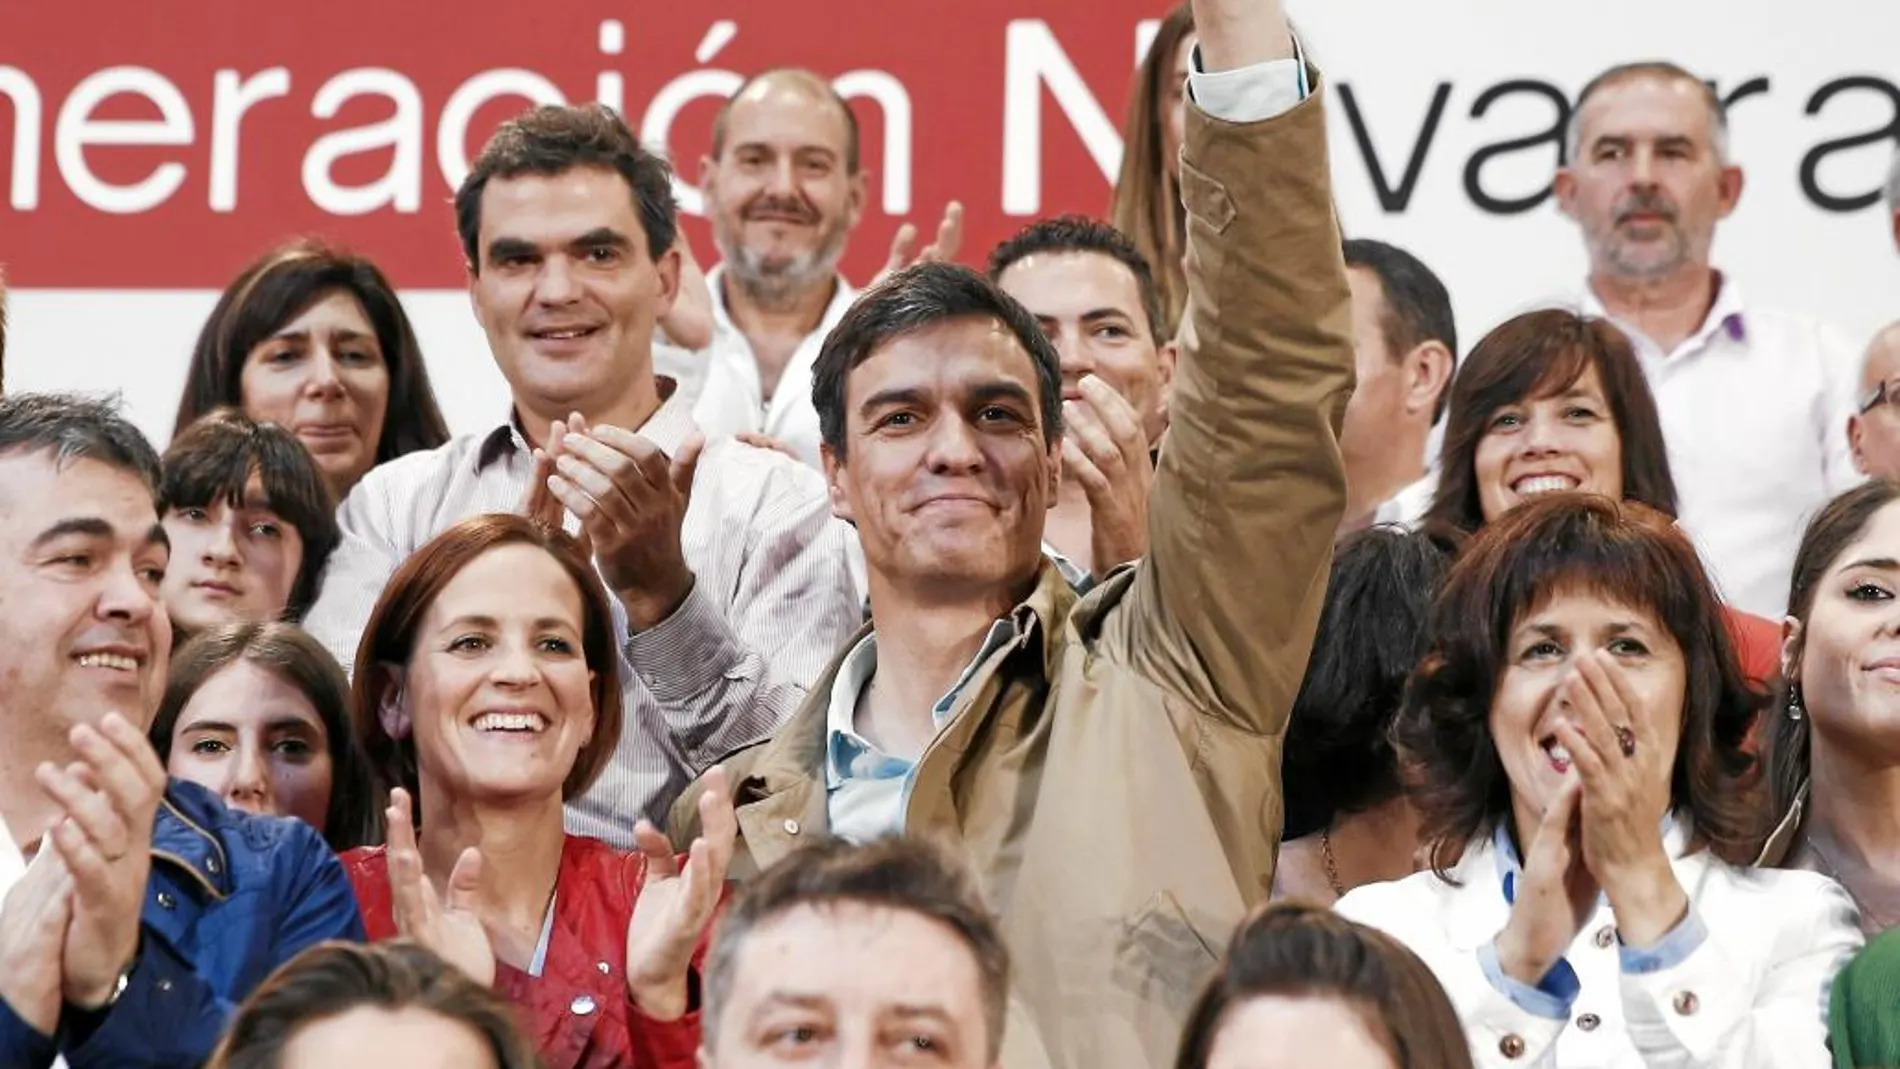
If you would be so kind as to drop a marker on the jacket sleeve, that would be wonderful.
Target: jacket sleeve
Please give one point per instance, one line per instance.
(21, 1045)
(1725, 1010)
(1250, 485)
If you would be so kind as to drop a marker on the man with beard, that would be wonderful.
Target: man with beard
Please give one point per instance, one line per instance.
(1754, 401)
(784, 189)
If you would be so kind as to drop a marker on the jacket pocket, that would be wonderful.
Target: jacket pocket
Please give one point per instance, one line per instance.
(1161, 957)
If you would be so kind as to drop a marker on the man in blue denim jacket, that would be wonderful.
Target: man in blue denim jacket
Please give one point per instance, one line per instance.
(148, 908)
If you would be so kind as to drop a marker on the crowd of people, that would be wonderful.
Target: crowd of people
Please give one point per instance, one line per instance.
(1163, 646)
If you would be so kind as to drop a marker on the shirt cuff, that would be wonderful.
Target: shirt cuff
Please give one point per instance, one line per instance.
(1551, 998)
(1668, 952)
(686, 654)
(1252, 93)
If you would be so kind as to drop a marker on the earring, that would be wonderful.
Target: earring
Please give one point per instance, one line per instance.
(1795, 709)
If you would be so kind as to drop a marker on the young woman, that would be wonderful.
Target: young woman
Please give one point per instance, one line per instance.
(488, 693)
(1147, 204)
(314, 339)
(259, 714)
(251, 524)
(1577, 729)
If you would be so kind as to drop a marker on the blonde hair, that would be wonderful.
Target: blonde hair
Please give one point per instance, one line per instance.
(1147, 204)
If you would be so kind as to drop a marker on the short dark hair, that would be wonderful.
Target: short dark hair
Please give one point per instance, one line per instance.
(277, 288)
(813, 80)
(916, 297)
(1554, 543)
(333, 978)
(72, 427)
(1079, 233)
(1415, 307)
(213, 459)
(1299, 950)
(1339, 757)
(1647, 68)
(1542, 354)
(554, 139)
(1838, 525)
(355, 815)
(899, 873)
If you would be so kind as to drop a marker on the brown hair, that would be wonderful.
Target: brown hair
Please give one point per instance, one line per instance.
(1147, 202)
(900, 873)
(1536, 355)
(213, 459)
(354, 817)
(1828, 535)
(277, 288)
(333, 978)
(1555, 543)
(1297, 950)
(390, 639)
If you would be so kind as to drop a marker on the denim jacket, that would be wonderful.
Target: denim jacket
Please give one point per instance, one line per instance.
(231, 896)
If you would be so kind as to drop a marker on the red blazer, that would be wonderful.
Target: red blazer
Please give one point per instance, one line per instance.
(577, 1012)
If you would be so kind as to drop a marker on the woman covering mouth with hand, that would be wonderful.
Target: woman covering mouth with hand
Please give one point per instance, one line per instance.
(1577, 732)
(487, 693)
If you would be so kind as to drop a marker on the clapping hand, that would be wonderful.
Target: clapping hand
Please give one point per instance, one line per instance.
(1105, 449)
(949, 240)
(33, 925)
(677, 904)
(1555, 894)
(449, 925)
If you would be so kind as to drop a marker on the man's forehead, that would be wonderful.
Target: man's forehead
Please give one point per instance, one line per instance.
(1647, 104)
(1883, 356)
(770, 111)
(61, 488)
(1072, 277)
(558, 208)
(960, 352)
(937, 967)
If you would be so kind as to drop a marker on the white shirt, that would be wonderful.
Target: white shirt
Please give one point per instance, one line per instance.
(1407, 508)
(1754, 409)
(773, 600)
(733, 398)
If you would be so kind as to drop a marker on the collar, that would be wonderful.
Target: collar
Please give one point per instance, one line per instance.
(841, 297)
(1727, 314)
(669, 427)
(183, 839)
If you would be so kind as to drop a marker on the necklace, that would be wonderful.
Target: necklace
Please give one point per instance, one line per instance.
(1331, 863)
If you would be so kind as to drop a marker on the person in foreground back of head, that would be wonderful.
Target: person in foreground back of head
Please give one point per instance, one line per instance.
(881, 954)
(1577, 729)
(343, 1005)
(1304, 987)
(1108, 762)
(147, 907)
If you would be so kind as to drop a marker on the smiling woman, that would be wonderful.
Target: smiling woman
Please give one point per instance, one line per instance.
(487, 689)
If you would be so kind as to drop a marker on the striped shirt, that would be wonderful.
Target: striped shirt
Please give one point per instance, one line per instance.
(773, 599)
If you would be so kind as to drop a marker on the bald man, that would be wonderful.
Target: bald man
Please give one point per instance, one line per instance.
(1874, 429)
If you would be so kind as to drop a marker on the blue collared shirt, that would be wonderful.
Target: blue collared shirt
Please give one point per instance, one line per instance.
(866, 789)
(1557, 991)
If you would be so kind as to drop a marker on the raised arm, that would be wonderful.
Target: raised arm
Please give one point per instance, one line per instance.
(1250, 485)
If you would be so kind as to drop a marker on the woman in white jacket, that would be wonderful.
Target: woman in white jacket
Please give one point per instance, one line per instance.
(1577, 730)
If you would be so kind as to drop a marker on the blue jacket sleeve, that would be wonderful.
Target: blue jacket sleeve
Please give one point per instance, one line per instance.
(20, 1044)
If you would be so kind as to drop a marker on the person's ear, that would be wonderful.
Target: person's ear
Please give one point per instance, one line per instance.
(392, 702)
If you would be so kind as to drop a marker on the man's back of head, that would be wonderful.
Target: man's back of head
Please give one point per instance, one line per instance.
(838, 949)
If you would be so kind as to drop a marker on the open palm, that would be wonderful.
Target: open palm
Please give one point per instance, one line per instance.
(677, 903)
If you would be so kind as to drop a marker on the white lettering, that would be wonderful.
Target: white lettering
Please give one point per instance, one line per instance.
(611, 88)
(401, 185)
(1032, 59)
(76, 130)
(26, 137)
(230, 99)
(1145, 32)
(451, 138)
(894, 100)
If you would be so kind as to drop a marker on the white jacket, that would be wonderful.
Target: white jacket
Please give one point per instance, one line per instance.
(1752, 992)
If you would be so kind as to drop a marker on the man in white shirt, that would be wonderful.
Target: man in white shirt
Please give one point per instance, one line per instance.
(1754, 401)
(727, 603)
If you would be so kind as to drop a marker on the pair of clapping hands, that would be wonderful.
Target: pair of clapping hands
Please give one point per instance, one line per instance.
(69, 931)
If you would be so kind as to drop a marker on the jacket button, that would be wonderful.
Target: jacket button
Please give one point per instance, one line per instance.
(164, 985)
(582, 1005)
(166, 901)
(1686, 1003)
(1589, 1021)
(1511, 1046)
(791, 827)
(211, 864)
(1605, 936)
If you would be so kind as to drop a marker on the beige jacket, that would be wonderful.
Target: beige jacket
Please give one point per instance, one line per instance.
(1114, 774)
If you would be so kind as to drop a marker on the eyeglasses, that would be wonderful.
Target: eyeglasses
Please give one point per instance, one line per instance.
(1887, 393)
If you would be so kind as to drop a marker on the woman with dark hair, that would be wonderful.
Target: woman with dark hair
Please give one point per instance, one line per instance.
(487, 689)
(259, 714)
(1834, 750)
(345, 1004)
(1147, 205)
(314, 339)
(1302, 986)
(250, 520)
(1348, 821)
(1577, 731)
(1552, 401)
